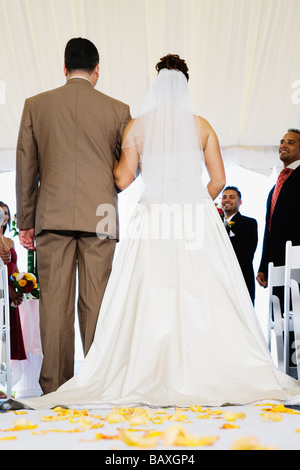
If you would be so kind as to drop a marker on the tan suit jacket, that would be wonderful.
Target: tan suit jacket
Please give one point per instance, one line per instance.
(68, 140)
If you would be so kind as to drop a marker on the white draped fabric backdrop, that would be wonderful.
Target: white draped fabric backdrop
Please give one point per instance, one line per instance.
(243, 57)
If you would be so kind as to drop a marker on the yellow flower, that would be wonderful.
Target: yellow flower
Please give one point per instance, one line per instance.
(22, 283)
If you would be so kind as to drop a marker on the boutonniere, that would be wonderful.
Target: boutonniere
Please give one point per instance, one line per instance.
(230, 225)
(221, 212)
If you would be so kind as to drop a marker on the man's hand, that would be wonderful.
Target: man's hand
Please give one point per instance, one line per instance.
(262, 279)
(5, 255)
(27, 238)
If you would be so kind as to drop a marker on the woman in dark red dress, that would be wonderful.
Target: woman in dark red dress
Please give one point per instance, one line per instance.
(16, 337)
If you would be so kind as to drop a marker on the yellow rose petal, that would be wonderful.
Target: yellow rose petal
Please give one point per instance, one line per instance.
(85, 422)
(229, 416)
(177, 436)
(197, 408)
(272, 416)
(137, 420)
(137, 441)
(24, 425)
(245, 443)
(115, 418)
(178, 416)
(229, 426)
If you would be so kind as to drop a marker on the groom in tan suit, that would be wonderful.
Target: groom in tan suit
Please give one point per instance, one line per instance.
(68, 141)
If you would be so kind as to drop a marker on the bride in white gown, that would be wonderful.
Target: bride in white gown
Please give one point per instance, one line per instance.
(176, 326)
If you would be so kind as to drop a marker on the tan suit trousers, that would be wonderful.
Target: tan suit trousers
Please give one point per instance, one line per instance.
(60, 256)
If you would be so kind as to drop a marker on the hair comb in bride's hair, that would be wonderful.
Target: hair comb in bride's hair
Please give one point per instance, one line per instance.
(173, 62)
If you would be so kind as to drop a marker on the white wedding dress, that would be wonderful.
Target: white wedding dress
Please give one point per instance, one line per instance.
(177, 325)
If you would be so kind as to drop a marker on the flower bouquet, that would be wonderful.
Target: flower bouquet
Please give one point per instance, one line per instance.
(26, 284)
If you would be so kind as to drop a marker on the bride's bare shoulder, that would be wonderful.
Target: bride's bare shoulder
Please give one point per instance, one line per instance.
(207, 133)
(204, 124)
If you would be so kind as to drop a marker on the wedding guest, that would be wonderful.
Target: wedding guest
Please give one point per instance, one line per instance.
(243, 235)
(4, 252)
(15, 298)
(281, 215)
(282, 207)
(68, 142)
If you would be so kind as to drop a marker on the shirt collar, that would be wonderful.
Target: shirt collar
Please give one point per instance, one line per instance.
(229, 218)
(79, 76)
(294, 165)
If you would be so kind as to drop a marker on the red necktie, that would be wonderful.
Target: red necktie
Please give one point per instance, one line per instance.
(283, 176)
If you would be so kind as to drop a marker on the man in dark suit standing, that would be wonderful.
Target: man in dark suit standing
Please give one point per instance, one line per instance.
(282, 213)
(282, 207)
(242, 231)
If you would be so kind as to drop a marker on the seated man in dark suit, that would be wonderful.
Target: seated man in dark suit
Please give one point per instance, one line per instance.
(242, 231)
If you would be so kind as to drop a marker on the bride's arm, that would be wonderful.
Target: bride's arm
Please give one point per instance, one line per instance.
(213, 159)
(125, 170)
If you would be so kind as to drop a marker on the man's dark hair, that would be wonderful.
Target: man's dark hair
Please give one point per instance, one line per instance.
(234, 188)
(81, 54)
(297, 131)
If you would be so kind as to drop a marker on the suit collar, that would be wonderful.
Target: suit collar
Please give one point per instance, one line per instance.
(236, 216)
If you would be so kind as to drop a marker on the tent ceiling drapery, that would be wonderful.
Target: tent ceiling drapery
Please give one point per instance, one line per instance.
(242, 56)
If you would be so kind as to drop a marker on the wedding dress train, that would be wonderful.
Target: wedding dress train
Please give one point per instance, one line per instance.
(176, 327)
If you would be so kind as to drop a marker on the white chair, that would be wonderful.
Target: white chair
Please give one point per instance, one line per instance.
(5, 367)
(276, 320)
(292, 278)
(295, 295)
(276, 277)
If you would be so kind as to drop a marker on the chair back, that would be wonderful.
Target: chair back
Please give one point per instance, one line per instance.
(5, 328)
(292, 273)
(292, 256)
(276, 278)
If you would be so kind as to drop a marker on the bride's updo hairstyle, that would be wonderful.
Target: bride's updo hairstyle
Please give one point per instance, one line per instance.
(173, 62)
